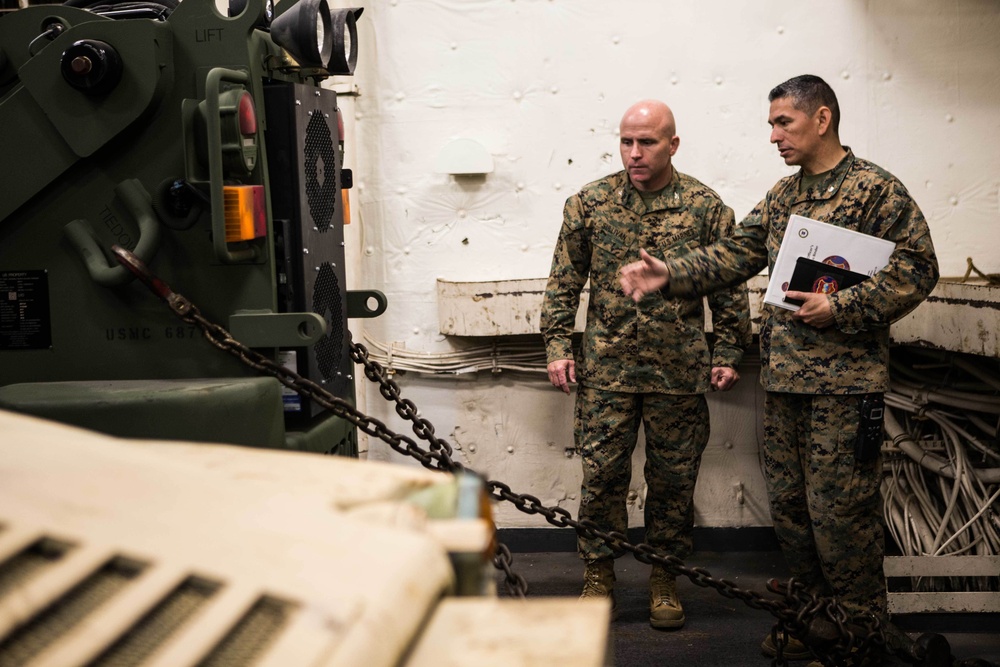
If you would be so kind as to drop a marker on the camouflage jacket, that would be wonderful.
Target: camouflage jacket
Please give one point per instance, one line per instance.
(851, 356)
(659, 345)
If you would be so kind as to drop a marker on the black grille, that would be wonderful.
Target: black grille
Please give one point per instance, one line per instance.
(320, 165)
(327, 304)
(304, 167)
(22, 567)
(253, 635)
(46, 628)
(159, 624)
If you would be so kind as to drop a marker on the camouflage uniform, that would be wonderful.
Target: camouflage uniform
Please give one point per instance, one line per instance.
(824, 503)
(648, 361)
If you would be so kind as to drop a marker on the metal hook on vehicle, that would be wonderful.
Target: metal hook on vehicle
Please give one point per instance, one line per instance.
(82, 236)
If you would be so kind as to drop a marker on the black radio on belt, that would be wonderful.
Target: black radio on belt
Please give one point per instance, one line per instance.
(869, 440)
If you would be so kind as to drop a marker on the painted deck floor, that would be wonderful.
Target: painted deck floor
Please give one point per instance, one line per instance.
(720, 631)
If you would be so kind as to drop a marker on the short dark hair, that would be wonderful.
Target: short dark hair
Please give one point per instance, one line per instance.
(808, 93)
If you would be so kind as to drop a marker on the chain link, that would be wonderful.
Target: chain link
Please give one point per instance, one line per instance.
(514, 583)
(843, 640)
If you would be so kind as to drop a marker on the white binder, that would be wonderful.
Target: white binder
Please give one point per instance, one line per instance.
(823, 242)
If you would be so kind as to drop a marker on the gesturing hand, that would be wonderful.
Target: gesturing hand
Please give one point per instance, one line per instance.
(647, 275)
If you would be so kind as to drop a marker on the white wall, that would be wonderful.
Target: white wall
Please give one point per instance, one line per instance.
(542, 85)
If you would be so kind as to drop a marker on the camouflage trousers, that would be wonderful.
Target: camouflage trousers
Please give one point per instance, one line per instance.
(676, 432)
(825, 504)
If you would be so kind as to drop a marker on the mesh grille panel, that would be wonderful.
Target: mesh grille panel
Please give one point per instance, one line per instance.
(326, 303)
(320, 165)
(18, 569)
(252, 636)
(305, 180)
(156, 627)
(57, 619)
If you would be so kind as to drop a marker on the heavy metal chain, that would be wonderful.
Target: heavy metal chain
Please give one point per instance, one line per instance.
(831, 632)
(843, 639)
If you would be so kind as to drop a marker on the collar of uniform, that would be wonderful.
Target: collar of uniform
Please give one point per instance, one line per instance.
(829, 186)
(669, 199)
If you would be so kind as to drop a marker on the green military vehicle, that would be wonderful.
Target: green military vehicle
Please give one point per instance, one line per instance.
(154, 143)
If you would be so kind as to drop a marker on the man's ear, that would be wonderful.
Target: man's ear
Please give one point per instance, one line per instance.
(823, 118)
(674, 143)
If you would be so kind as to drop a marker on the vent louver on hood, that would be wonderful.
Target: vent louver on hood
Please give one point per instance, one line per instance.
(176, 554)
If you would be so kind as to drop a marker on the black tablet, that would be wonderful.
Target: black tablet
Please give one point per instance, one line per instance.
(821, 278)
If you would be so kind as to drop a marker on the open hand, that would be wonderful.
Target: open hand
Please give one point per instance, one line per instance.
(647, 275)
(561, 373)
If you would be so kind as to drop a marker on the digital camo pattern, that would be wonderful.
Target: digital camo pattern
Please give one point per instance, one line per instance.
(657, 345)
(852, 355)
(824, 503)
(607, 426)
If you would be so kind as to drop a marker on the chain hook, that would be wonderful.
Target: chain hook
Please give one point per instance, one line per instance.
(180, 305)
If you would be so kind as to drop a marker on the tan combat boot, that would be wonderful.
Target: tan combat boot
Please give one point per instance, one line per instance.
(793, 648)
(665, 609)
(599, 580)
